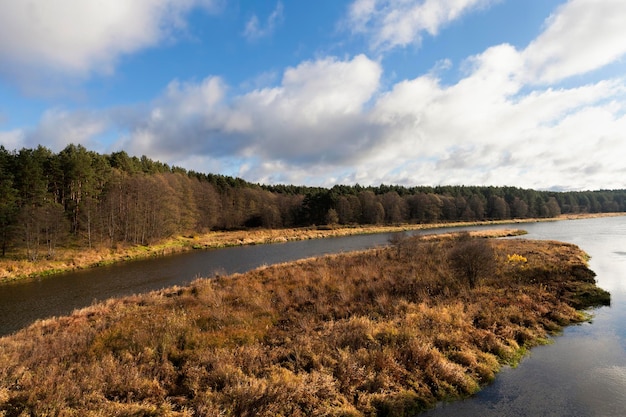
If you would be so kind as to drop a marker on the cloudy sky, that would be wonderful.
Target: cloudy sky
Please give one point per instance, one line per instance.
(527, 93)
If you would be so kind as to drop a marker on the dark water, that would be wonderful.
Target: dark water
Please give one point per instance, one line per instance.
(21, 303)
(583, 373)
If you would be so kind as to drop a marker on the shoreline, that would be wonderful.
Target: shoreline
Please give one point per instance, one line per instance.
(293, 338)
(68, 260)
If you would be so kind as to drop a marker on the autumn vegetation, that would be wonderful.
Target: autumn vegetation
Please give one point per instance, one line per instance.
(78, 208)
(384, 332)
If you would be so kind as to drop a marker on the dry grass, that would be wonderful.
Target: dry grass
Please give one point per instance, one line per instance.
(382, 332)
(67, 259)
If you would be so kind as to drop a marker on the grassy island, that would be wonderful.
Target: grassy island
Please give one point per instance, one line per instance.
(383, 332)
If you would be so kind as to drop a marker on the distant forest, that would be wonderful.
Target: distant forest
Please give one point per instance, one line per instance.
(80, 198)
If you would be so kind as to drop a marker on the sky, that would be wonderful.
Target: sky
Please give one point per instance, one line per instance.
(524, 93)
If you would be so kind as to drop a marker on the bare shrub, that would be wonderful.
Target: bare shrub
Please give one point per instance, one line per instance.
(472, 259)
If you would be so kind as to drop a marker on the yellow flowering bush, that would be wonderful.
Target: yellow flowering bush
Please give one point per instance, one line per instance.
(515, 258)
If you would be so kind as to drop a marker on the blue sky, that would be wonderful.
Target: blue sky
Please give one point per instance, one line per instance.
(414, 92)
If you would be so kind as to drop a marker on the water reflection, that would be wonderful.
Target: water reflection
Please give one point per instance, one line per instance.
(583, 372)
(578, 375)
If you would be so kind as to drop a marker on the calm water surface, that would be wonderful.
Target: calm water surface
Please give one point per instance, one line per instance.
(23, 302)
(583, 373)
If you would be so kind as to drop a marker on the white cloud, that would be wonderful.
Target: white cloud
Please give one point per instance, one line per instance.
(329, 121)
(12, 139)
(58, 128)
(254, 30)
(487, 129)
(40, 38)
(397, 23)
(581, 36)
(189, 99)
(322, 88)
(314, 116)
(181, 121)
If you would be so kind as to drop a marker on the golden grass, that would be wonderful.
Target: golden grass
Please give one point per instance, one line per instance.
(381, 332)
(17, 266)
(68, 259)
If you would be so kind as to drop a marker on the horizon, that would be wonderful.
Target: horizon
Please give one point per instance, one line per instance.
(412, 93)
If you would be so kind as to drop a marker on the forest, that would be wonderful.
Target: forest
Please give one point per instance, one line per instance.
(80, 198)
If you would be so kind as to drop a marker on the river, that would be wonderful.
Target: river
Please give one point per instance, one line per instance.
(23, 302)
(583, 373)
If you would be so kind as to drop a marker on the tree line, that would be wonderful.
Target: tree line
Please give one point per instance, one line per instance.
(81, 198)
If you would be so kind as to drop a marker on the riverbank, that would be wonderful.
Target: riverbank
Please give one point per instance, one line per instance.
(388, 331)
(66, 259)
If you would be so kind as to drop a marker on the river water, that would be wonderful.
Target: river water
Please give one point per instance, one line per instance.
(583, 373)
(23, 302)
